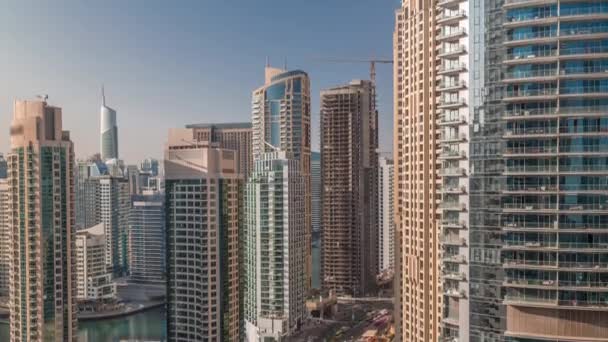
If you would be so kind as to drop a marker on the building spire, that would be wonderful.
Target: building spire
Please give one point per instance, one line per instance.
(267, 62)
(103, 96)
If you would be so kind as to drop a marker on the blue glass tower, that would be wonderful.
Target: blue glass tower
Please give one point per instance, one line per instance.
(555, 195)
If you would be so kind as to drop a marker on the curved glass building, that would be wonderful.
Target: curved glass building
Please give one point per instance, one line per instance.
(108, 131)
(555, 196)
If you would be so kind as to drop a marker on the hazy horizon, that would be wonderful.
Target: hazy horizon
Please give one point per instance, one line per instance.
(166, 65)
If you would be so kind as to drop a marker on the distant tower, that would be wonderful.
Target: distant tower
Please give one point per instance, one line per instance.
(108, 131)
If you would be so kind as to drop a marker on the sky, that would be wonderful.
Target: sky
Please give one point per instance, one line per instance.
(166, 64)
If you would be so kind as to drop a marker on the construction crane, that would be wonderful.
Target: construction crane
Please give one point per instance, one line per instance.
(372, 64)
(372, 69)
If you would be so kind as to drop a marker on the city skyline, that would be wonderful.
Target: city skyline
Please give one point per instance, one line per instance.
(146, 80)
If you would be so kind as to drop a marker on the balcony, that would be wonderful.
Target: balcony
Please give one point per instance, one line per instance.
(531, 283)
(584, 285)
(524, 20)
(530, 150)
(528, 132)
(452, 224)
(584, 72)
(453, 138)
(529, 245)
(579, 207)
(531, 189)
(451, 103)
(454, 190)
(452, 121)
(530, 94)
(456, 259)
(534, 57)
(452, 52)
(451, 86)
(451, 69)
(452, 241)
(448, 3)
(584, 266)
(525, 3)
(529, 207)
(531, 75)
(536, 37)
(540, 113)
(455, 293)
(453, 172)
(584, 246)
(451, 155)
(450, 17)
(453, 206)
(459, 276)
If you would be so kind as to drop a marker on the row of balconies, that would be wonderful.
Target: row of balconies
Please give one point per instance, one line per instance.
(523, 207)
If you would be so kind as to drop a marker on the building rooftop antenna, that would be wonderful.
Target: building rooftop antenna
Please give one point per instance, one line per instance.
(103, 96)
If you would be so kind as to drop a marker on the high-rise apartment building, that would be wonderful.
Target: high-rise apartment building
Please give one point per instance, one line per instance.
(386, 222)
(147, 238)
(108, 131)
(93, 281)
(3, 166)
(454, 107)
(349, 140)
(150, 166)
(5, 244)
(281, 120)
(316, 190)
(275, 289)
(202, 193)
(555, 192)
(316, 185)
(102, 198)
(41, 223)
(521, 97)
(417, 279)
(233, 136)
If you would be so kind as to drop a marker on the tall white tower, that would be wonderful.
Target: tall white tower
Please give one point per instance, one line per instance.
(108, 131)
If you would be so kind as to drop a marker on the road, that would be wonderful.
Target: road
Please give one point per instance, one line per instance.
(325, 330)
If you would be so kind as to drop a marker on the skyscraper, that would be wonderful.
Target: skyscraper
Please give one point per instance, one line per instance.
(555, 193)
(5, 236)
(3, 166)
(281, 120)
(522, 115)
(316, 185)
(149, 165)
(147, 238)
(108, 131)
(93, 281)
(103, 198)
(417, 278)
(316, 190)
(202, 192)
(233, 136)
(386, 223)
(274, 257)
(456, 100)
(41, 216)
(349, 140)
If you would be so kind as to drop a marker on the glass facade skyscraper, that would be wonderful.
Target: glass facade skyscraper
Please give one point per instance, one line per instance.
(108, 131)
(41, 226)
(523, 135)
(555, 195)
(281, 121)
(202, 205)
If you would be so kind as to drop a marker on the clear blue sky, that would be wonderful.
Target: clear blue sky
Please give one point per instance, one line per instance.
(168, 63)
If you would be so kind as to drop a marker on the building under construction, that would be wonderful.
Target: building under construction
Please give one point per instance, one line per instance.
(349, 140)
